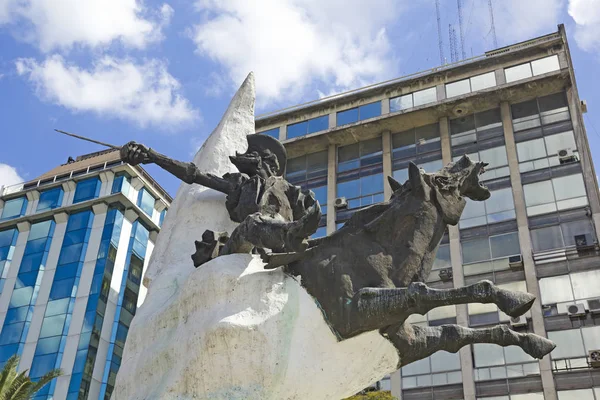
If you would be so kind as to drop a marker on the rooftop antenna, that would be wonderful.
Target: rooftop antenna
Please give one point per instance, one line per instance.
(439, 27)
(453, 44)
(462, 30)
(493, 26)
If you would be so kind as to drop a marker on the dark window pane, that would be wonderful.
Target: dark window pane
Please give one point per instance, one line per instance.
(40, 230)
(36, 246)
(505, 245)
(65, 271)
(79, 221)
(42, 365)
(70, 254)
(274, 133)
(349, 189)
(296, 130)
(48, 346)
(475, 250)
(62, 289)
(146, 201)
(462, 125)
(8, 237)
(75, 237)
(50, 199)
(11, 333)
(14, 208)
(547, 238)
(347, 116)
(370, 110)
(578, 229)
(318, 124)
(488, 119)
(25, 280)
(87, 189)
(552, 102)
(16, 315)
(8, 351)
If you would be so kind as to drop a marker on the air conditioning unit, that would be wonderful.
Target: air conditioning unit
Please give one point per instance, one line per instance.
(515, 262)
(446, 274)
(576, 310)
(518, 322)
(566, 156)
(340, 202)
(594, 356)
(583, 106)
(594, 306)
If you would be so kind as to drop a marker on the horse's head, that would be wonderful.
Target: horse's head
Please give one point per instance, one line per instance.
(446, 189)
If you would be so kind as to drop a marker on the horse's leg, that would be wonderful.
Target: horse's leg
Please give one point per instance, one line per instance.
(375, 308)
(415, 342)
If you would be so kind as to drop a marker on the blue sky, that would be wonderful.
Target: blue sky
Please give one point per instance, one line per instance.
(162, 73)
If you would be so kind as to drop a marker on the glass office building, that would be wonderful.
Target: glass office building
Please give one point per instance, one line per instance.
(73, 247)
(518, 109)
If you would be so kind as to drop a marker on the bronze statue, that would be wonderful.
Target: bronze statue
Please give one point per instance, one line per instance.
(273, 214)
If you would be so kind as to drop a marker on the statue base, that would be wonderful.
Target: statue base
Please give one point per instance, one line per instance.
(237, 331)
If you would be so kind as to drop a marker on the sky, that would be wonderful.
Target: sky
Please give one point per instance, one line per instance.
(163, 72)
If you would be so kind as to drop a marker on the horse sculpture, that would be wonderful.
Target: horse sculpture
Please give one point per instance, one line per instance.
(369, 274)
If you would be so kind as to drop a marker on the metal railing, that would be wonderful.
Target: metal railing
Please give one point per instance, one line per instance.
(489, 54)
(565, 254)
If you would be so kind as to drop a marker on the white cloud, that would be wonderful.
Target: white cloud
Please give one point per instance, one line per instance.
(143, 93)
(586, 14)
(53, 24)
(9, 175)
(293, 44)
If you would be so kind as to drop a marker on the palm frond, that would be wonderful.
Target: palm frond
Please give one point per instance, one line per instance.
(16, 387)
(8, 374)
(44, 380)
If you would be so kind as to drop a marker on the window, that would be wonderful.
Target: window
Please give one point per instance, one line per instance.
(562, 291)
(472, 128)
(360, 176)
(415, 99)
(442, 260)
(274, 133)
(14, 208)
(556, 194)
(497, 160)
(87, 189)
(420, 145)
(499, 207)
(572, 347)
(307, 127)
(146, 201)
(310, 172)
(481, 314)
(483, 255)
(441, 368)
(541, 111)
(469, 85)
(495, 362)
(543, 152)
(360, 113)
(50, 199)
(561, 236)
(163, 214)
(534, 68)
(121, 183)
(579, 394)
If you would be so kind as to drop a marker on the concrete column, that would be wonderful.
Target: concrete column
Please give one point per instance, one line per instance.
(526, 247)
(331, 187)
(69, 192)
(1, 201)
(111, 304)
(500, 77)
(159, 206)
(136, 185)
(386, 143)
(149, 249)
(81, 300)
(396, 384)
(44, 292)
(440, 92)
(385, 106)
(332, 119)
(11, 277)
(462, 313)
(283, 132)
(33, 199)
(107, 178)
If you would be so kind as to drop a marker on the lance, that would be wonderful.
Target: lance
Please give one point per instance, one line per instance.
(112, 146)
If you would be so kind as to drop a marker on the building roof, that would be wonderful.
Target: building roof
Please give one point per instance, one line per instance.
(83, 161)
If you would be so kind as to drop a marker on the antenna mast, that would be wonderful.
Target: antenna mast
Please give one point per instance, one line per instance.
(462, 30)
(439, 27)
(453, 44)
(493, 26)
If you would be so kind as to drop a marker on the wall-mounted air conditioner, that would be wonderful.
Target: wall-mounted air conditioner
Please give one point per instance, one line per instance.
(446, 274)
(340, 202)
(515, 262)
(576, 310)
(518, 322)
(566, 156)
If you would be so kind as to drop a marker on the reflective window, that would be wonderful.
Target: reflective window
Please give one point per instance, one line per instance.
(87, 189)
(563, 235)
(543, 110)
(146, 201)
(360, 113)
(441, 368)
(556, 194)
(50, 199)
(543, 152)
(572, 347)
(579, 394)
(415, 99)
(563, 290)
(469, 129)
(360, 177)
(274, 133)
(306, 127)
(495, 362)
(473, 84)
(14, 208)
(8, 240)
(483, 255)
(497, 160)
(163, 214)
(420, 145)
(121, 183)
(545, 65)
(310, 172)
(499, 207)
(518, 72)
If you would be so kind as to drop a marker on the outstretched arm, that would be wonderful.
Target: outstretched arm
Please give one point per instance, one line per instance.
(135, 153)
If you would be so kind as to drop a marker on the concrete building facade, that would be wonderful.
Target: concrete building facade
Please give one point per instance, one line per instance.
(518, 109)
(74, 245)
